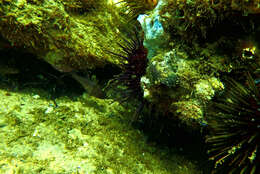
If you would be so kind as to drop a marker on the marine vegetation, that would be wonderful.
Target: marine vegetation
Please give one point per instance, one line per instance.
(234, 139)
(82, 6)
(134, 63)
(135, 7)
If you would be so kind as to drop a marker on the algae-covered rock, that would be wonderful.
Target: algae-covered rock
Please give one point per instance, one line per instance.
(209, 42)
(82, 134)
(70, 35)
(194, 18)
(163, 70)
(194, 47)
(189, 112)
(186, 91)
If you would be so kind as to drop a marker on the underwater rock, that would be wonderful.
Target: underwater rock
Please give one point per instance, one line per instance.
(190, 112)
(194, 45)
(195, 18)
(162, 70)
(173, 78)
(205, 89)
(155, 38)
(69, 40)
(82, 134)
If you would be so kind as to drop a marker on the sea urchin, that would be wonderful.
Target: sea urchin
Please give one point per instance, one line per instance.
(235, 129)
(133, 66)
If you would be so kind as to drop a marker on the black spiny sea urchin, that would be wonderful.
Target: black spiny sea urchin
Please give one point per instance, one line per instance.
(133, 66)
(235, 130)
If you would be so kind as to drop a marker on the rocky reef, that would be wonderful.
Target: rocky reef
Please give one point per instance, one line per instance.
(205, 44)
(83, 135)
(195, 48)
(70, 35)
(200, 42)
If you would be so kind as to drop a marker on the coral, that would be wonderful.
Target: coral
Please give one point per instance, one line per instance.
(234, 138)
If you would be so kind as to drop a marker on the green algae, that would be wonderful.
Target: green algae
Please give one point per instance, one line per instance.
(95, 133)
(82, 134)
(66, 40)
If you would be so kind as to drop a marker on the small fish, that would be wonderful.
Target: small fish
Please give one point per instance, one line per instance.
(89, 85)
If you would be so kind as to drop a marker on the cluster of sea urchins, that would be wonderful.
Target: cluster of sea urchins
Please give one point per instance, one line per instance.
(234, 140)
(134, 63)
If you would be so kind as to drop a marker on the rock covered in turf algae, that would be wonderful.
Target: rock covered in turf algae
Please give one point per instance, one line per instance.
(171, 77)
(195, 42)
(162, 70)
(68, 34)
(193, 19)
(81, 135)
(205, 88)
(192, 110)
